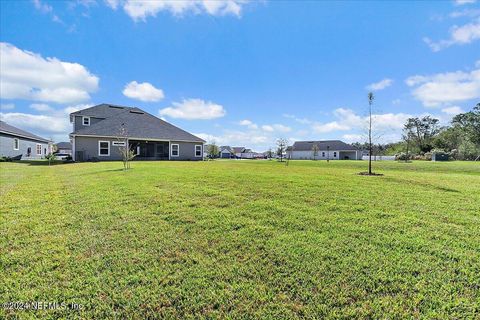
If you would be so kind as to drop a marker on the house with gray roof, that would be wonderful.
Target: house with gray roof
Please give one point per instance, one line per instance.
(226, 152)
(63, 148)
(326, 150)
(100, 131)
(20, 144)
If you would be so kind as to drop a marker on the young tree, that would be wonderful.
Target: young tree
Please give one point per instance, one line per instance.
(281, 148)
(212, 150)
(315, 150)
(370, 145)
(124, 149)
(50, 157)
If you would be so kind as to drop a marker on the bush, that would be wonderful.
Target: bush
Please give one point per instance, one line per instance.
(402, 156)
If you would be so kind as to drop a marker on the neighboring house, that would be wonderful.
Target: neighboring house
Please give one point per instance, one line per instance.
(97, 135)
(226, 152)
(17, 143)
(64, 148)
(328, 149)
(237, 152)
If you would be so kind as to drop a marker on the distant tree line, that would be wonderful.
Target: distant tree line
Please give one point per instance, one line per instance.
(424, 135)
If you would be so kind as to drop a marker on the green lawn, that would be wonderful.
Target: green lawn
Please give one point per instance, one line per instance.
(242, 239)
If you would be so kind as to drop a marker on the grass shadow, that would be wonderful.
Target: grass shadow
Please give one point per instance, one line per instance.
(41, 162)
(422, 184)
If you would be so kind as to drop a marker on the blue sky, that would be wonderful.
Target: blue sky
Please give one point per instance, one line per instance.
(241, 72)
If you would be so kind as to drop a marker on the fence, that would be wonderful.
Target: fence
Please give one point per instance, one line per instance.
(380, 158)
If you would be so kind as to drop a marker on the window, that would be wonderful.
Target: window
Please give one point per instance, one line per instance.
(29, 151)
(39, 149)
(198, 150)
(323, 154)
(16, 144)
(103, 148)
(334, 154)
(175, 150)
(118, 143)
(86, 121)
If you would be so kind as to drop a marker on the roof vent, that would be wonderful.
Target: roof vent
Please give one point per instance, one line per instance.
(137, 112)
(115, 107)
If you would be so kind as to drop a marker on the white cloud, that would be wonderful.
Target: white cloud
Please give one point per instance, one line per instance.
(459, 35)
(267, 128)
(329, 127)
(254, 140)
(248, 124)
(53, 123)
(382, 84)
(299, 120)
(463, 2)
(452, 110)
(141, 9)
(349, 138)
(47, 126)
(348, 120)
(29, 76)
(443, 88)
(276, 128)
(7, 106)
(193, 109)
(42, 7)
(41, 107)
(113, 3)
(143, 91)
(465, 13)
(281, 128)
(74, 108)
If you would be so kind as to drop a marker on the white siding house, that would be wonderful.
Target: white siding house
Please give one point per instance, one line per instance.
(327, 150)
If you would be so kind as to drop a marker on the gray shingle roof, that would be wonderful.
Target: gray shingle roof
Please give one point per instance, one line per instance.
(228, 148)
(238, 149)
(331, 144)
(101, 111)
(6, 128)
(137, 123)
(64, 145)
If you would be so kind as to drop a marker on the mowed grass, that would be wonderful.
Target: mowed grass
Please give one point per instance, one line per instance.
(242, 239)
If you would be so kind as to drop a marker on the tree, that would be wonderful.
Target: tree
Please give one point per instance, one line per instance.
(370, 146)
(269, 153)
(407, 137)
(469, 123)
(212, 150)
(422, 131)
(281, 148)
(124, 149)
(50, 157)
(315, 150)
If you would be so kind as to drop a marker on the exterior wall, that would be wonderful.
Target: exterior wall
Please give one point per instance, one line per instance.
(351, 155)
(225, 154)
(89, 146)
(7, 145)
(66, 151)
(187, 150)
(322, 155)
(79, 124)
